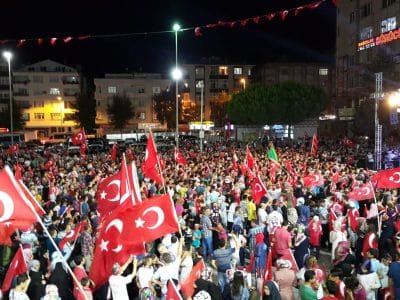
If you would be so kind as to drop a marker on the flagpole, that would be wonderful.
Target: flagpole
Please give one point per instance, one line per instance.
(376, 203)
(47, 232)
(158, 162)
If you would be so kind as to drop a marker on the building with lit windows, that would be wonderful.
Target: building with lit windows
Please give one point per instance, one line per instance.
(219, 80)
(365, 30)
(139, 88)
(45, 91)
(4, 85)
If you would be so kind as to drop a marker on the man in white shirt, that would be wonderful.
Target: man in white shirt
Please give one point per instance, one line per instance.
(118, 282)
(262, 215)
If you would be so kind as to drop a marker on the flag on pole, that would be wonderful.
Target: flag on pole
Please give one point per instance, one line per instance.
(179, 158)
(172, 292)
(249, 158)
(272, 155)
(151, 168)
(17, 267)
(79, 137)
(314, 145)
(187, 287)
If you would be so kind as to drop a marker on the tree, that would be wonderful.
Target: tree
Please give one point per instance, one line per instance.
(18, 120)
(219, 108)
(85, 114)
(164, 105)
(120, 111)
(283, 103)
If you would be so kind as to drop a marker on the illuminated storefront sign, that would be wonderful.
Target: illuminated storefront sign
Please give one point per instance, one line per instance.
(381, 39)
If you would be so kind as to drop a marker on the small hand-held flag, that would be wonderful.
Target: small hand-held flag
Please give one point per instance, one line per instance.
(314, 145)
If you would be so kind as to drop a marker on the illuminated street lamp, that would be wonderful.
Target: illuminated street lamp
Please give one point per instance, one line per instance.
(8, 55)
(243, 81)
(176, 75)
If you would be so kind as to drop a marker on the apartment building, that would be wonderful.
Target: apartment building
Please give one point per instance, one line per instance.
(365, 30)
(4, 85)
(218, 79)
(45, 91)
(139, 88)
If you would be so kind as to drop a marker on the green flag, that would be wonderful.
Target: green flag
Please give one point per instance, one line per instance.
(272, 155)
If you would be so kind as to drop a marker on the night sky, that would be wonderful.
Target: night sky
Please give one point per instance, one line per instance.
(310, 36)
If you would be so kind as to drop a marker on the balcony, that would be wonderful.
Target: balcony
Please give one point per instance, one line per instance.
(219, 90)
(21, 93)
(218, 76)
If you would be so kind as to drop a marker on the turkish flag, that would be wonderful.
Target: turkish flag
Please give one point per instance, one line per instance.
(172, 292)
(179, 158)
(268, 267)
(18, 172)
(40, 211)
(314, 145)
(363, 192)
(129, 154)
(79, 137)
(114, 152)
(312, 180)
(249, 158)
(13, 149)
(348, 143)
(389, 179)
(235, 161)
(288, 166)
(147, 222)
(134, 183)
(72, 235)
(17, 267)
(14, 207)
(150, 166)
(187, 285)
(258, 189)
(83, 148)
(6, 230)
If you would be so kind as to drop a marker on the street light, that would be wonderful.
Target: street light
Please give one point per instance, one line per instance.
(243, 81)
(200, 85)
(176, 75)
(62, 110)
(8, 55)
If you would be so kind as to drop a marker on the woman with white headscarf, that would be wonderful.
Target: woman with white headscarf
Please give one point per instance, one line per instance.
(336, 236)
(286, 279)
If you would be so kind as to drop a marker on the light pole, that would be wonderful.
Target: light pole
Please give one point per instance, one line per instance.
(176, 74)
(243, 80)
(62, 110)
(200, 85)
(8, 56)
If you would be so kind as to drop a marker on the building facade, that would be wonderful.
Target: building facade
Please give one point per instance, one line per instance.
(45, 91)
(367, 31)
(4, 85)
(220, 81)
(139, 88)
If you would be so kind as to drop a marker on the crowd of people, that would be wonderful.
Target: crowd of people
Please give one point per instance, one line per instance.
(296, 242)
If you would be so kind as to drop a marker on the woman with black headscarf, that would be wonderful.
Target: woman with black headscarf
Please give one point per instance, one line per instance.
(209, 287)
(62, 280)
(271, 291)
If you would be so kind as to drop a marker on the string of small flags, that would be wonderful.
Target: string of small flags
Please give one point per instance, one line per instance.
(198, 30)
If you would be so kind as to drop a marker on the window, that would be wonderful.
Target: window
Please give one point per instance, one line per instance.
(55, 116)
(55, 91)
(156, 90)
(237, 71)
(54, 79)
(366, 10)
(223, 70)
(98, 103)
(39, 116)
(213, 70)
(141, 90)
(199, 72)
(141, 115)
(38, 103)
(323, 72)
(386, 3)
(112, 89)
(366, 33)
(37, 79)
(352, 17)
(388, 24)
(25, 116)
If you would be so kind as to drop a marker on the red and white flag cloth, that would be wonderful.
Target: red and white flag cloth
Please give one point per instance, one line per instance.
(134, 183)
(179, 158)
(363, 192)
(14, 207)
(17, 267)
(389, 179)
(312, 180)
(348, 143)
(187, 286)
(235, 162)
(18, 172)
(249, 158)
(314, 145)
(258, 189)
(83, 148)
(172, 292)
(129, 154)
(79, 137)
(151, 168)
(72, 235)
(113, 152)
(13, 149)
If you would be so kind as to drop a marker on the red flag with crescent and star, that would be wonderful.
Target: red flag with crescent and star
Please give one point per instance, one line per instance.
(13, 149)
(249, 158)
(107, 194)
(72, 235)
(389, 179)
(172, 292)
(113, 152)
(15, 208)
(258, 189)
(17, 267)
(363, 192)
(179, 158)
(79, 137)
(312, 180)
(151, 168)
(83, 148)
(187, 285)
